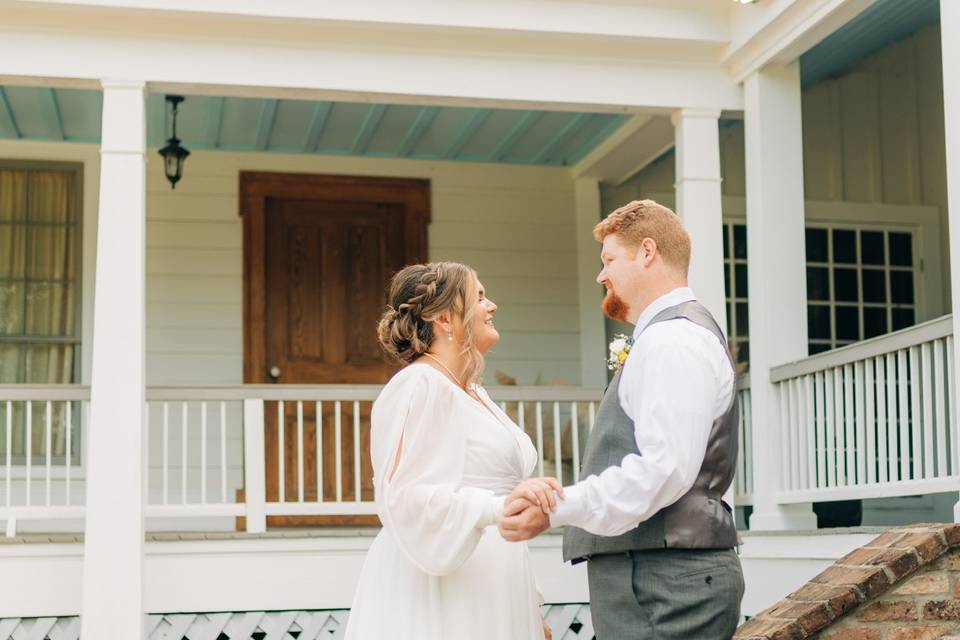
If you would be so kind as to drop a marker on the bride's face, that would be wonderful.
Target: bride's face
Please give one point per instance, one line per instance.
(485, 334)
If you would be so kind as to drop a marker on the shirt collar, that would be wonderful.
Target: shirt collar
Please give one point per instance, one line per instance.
(667, 300)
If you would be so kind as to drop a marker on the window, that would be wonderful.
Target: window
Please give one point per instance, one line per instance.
(735, 281)
(861, 283)
(39, 292)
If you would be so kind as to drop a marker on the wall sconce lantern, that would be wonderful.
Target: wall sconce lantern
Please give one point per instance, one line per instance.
(173, 154)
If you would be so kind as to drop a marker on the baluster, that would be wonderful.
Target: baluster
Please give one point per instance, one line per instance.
(915, 413)
(223, 452)
(48, 444)
(281, 446)
(300, 469)
(556, 441)
(821, 430)
(8, 479)
(575, 440)
(848, 423)
(940, 398)
(749, 445)
(68, 461)
(203, 452)
(928, 384)
(903, 416)
(539, 409)
(166, 452)
(831, 441)
(318, 427)
(860, 425)
(786, 443)
(183, 451)
(356, 451)
(882, 462)
(338, 451)
(871, 426)
(28, 436)
(952, 423)
(891, 416)
(841, 439)
(809, 428)
(796, 460)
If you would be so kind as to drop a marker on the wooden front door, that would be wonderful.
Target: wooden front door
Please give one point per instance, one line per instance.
(319, 252)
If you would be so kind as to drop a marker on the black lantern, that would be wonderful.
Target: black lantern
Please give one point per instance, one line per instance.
(173, 154)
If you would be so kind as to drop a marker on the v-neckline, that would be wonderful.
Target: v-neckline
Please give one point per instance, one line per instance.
(478, 400)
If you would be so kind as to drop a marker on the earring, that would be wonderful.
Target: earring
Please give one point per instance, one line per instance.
(450, 336)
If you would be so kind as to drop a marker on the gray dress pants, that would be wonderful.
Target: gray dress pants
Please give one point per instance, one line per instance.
(665, 594)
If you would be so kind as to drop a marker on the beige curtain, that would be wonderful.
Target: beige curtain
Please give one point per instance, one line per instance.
(38, 289)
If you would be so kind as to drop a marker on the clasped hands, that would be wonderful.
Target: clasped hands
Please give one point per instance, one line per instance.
(526, 512)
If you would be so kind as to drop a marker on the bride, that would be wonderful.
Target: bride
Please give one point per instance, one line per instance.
(446, 460)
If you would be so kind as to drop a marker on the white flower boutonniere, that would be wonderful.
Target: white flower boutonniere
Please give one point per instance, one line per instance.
(619, 348)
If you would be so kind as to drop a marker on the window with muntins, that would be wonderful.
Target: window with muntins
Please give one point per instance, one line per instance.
(861, 283)
(40, 228)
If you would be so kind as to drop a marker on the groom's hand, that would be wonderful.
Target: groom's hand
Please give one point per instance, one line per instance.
(541, 492)
(522, 521)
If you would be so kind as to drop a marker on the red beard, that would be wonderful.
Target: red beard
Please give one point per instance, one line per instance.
(614, 307)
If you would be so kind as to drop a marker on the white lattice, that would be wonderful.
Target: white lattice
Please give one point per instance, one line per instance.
(568, 621)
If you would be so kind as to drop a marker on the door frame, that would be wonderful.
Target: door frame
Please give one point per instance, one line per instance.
(257, 186)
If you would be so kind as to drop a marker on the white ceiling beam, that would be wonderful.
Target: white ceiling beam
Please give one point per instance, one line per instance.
(629, 150)
(680, 20)
(780, 31)
(318, 72)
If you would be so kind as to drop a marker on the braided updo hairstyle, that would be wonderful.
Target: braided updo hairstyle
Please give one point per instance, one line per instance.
(418, 295)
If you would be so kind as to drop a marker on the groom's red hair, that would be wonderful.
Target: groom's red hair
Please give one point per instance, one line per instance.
(641, 219)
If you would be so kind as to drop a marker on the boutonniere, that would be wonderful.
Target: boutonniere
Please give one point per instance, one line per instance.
(619, 348)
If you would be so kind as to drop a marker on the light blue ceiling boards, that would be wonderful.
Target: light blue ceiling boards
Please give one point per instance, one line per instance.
(881, 24)
(330, 128)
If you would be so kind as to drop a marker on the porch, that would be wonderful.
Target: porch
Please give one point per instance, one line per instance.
(163, 456)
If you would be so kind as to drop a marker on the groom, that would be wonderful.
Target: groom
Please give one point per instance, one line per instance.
(649, 515)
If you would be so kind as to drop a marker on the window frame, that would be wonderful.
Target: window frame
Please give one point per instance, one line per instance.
(78, 461)
(922, 221)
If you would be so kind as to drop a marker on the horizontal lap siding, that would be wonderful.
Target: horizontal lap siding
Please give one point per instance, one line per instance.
(514, 225)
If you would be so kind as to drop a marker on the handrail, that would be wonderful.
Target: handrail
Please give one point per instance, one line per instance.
(881, 345)
(272, 392)
(360, 392)
(43, 392)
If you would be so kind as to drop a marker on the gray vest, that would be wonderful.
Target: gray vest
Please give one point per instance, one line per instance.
(699, 519)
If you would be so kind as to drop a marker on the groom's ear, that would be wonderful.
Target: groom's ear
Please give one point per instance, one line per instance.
(646, 251)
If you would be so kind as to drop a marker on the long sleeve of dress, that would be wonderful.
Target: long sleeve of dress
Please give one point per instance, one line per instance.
(436, 522)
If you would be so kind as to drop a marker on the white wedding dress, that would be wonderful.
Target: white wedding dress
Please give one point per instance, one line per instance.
(439, 569)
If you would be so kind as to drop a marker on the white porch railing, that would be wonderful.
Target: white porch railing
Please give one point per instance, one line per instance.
(743, 481)
(247, 451)
(874, 419)
(42, 439)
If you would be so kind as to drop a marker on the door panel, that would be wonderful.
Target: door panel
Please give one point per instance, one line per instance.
(319, 252)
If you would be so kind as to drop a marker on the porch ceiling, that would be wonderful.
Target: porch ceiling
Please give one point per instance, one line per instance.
(330, 128)
(882, 24)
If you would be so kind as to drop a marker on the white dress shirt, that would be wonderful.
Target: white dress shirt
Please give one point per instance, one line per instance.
(676, 381)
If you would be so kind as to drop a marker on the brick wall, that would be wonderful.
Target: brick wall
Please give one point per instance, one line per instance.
(903, 585)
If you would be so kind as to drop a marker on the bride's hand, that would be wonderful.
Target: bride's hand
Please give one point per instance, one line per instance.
(547, 633)
(541, 492)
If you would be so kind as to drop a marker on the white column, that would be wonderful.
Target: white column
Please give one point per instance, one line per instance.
(699, 204)
(777, 272)
(950, 42)
(593, 347)
(112, 599)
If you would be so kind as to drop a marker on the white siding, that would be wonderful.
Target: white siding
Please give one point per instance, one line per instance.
(871, 135)
(513, 224)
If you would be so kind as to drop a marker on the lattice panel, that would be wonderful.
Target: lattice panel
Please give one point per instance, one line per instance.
(568, 621)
